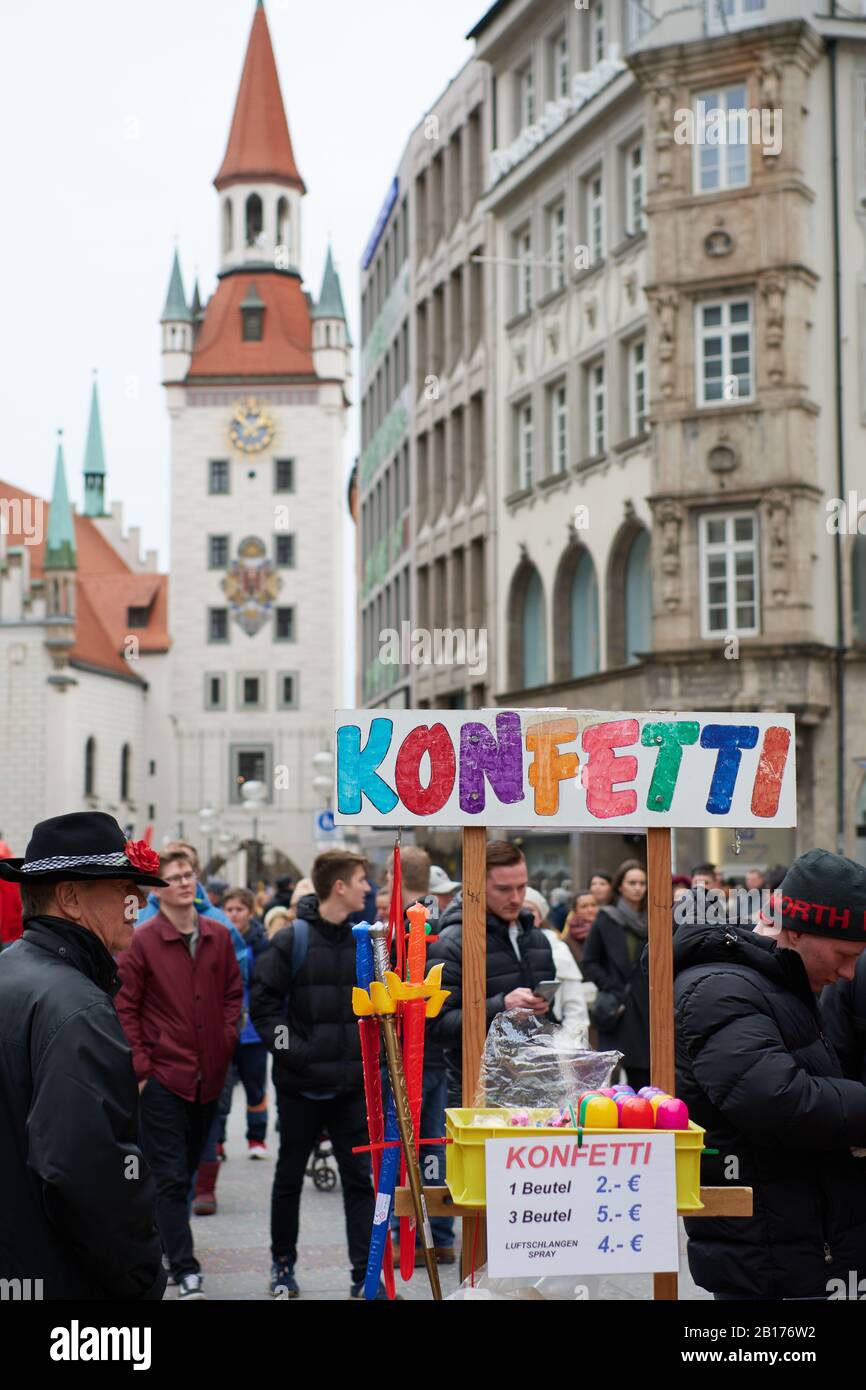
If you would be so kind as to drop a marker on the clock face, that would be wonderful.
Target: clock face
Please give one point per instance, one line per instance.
(251, 429)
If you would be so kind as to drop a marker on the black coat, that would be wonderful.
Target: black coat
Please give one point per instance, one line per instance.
(758, 1074)
(607, 963)
(77, 1199)
(322, 1051)
(504, 974)
(843, 1008)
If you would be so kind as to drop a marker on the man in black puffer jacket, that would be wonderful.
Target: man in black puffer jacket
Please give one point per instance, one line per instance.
(756, 1071)
(518, 957)
(301, 1006)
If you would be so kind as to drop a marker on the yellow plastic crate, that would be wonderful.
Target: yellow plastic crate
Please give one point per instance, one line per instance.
(465, 1173)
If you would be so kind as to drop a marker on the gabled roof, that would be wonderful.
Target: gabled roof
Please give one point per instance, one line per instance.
(286, 346)
(259, 145)
(105, 589)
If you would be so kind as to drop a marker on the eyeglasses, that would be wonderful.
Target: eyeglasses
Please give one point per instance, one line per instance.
(181, 878)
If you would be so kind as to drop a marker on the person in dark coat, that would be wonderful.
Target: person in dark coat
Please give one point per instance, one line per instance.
(843, 1009)
(78, 1209)
(301, 1007)
(758, 1073)
(519, 957)
(613, 961)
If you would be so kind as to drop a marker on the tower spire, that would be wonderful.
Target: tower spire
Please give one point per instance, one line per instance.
(94, 460)
(60, 541)
(259, 145)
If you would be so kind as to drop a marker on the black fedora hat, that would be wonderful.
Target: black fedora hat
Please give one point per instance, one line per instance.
(83, 845)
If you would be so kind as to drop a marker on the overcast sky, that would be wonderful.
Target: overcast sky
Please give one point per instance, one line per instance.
(115, 117)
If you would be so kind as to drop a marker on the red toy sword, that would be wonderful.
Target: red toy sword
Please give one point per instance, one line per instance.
(369, 1031)
(414, 1015)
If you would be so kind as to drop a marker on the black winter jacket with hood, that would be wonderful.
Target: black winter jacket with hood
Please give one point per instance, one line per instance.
(504, 974)
(323, 1051)
(757, 1073)
(77, 1198)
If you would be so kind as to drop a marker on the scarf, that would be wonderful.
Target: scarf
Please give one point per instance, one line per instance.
(637, 930)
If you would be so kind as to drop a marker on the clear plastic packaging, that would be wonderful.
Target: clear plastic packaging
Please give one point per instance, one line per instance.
(525, 1064)
(559, 1288)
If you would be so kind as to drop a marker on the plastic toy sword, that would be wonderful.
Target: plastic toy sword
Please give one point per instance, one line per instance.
(383, 1001)
(414, 1018)
(368, 1029)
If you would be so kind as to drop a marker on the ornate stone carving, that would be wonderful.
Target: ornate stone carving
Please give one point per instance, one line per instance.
(771, 100)
(778, 505)
(718, 243)
(591, 308)
(666, 306)
(552, 332)
(663, 103)
(722, 458)
(630, 283)
(669, 516)
(773, 289)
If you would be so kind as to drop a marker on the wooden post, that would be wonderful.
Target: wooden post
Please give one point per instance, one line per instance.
(474, 999)
(661, 974)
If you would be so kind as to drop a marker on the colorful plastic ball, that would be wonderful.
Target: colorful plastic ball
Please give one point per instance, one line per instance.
(623, 1090)
(655, 1101)
(672, 1114)
(607, 1091)
(637, 1113)
(649, 1091)
(599, 1112)
(520, 1117)
(620, 1100)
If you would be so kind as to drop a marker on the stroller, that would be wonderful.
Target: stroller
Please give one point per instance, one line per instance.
(320, 1170)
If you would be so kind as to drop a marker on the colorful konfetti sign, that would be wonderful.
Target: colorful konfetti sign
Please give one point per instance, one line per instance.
(577, 768)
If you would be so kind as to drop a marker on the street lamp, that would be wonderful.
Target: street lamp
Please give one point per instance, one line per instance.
(253, 794)
(207, 819)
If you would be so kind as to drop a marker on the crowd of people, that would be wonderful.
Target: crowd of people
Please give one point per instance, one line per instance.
(137, 998)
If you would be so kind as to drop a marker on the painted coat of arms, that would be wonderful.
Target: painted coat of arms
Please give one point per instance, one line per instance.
(251, 585)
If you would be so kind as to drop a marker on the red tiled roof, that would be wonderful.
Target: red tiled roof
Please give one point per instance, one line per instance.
(286, 348)
(259, 146)
(105, 588)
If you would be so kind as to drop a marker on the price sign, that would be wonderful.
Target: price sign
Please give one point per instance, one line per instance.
(608, 1205)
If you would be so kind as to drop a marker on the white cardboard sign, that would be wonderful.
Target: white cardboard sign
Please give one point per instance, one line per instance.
(606, 1206)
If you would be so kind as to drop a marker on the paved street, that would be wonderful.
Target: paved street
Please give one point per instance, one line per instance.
(234, 1252)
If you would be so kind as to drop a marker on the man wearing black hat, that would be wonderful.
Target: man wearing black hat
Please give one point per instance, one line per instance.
(756, 1070)
(77, 1216)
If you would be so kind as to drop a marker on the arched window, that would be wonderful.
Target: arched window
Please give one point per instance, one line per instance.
(858, 588)
(90, 767)
(125, 766)
(638, 598)
(254, 218)
(584, 618)
(283, 222)
(227, 226)
(534, 633)
(327, 335)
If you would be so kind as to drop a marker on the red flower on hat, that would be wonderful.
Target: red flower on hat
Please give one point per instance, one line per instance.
(141, 856)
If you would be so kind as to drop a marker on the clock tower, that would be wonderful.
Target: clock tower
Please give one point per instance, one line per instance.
(258, 418)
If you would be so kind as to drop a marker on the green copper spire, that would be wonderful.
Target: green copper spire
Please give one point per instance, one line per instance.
(175, 310)
(60, 542)
(330, 303)
(94, 461)
(195, 302)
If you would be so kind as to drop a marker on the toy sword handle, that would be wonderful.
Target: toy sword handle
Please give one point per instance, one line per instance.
(417, 915)
(364, 971)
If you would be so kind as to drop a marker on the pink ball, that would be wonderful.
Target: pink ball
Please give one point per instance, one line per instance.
(648, 1091)
(672, 1114)
(607, 1091)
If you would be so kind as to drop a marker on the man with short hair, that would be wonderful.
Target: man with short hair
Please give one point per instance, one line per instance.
(179, 1004)
(77, 1213)
(754, 880)
(443, 888)
(704, 876)
(301, 1006)
(518, 956)
(756, 1071)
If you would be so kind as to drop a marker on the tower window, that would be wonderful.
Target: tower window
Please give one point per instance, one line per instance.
(285, 547)
(125, 765)
(214, 691)
(90, 767)
(283, 223)
(254, 219)
(218, 475)
(250, 691)
(227, 226)
(285, 625)
(137, 617)
(253, 313)
(287, 690)
(284, 475)
(218, 625)
(218, 552)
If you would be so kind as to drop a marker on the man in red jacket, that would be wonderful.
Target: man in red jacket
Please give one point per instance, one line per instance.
(179, 1005)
